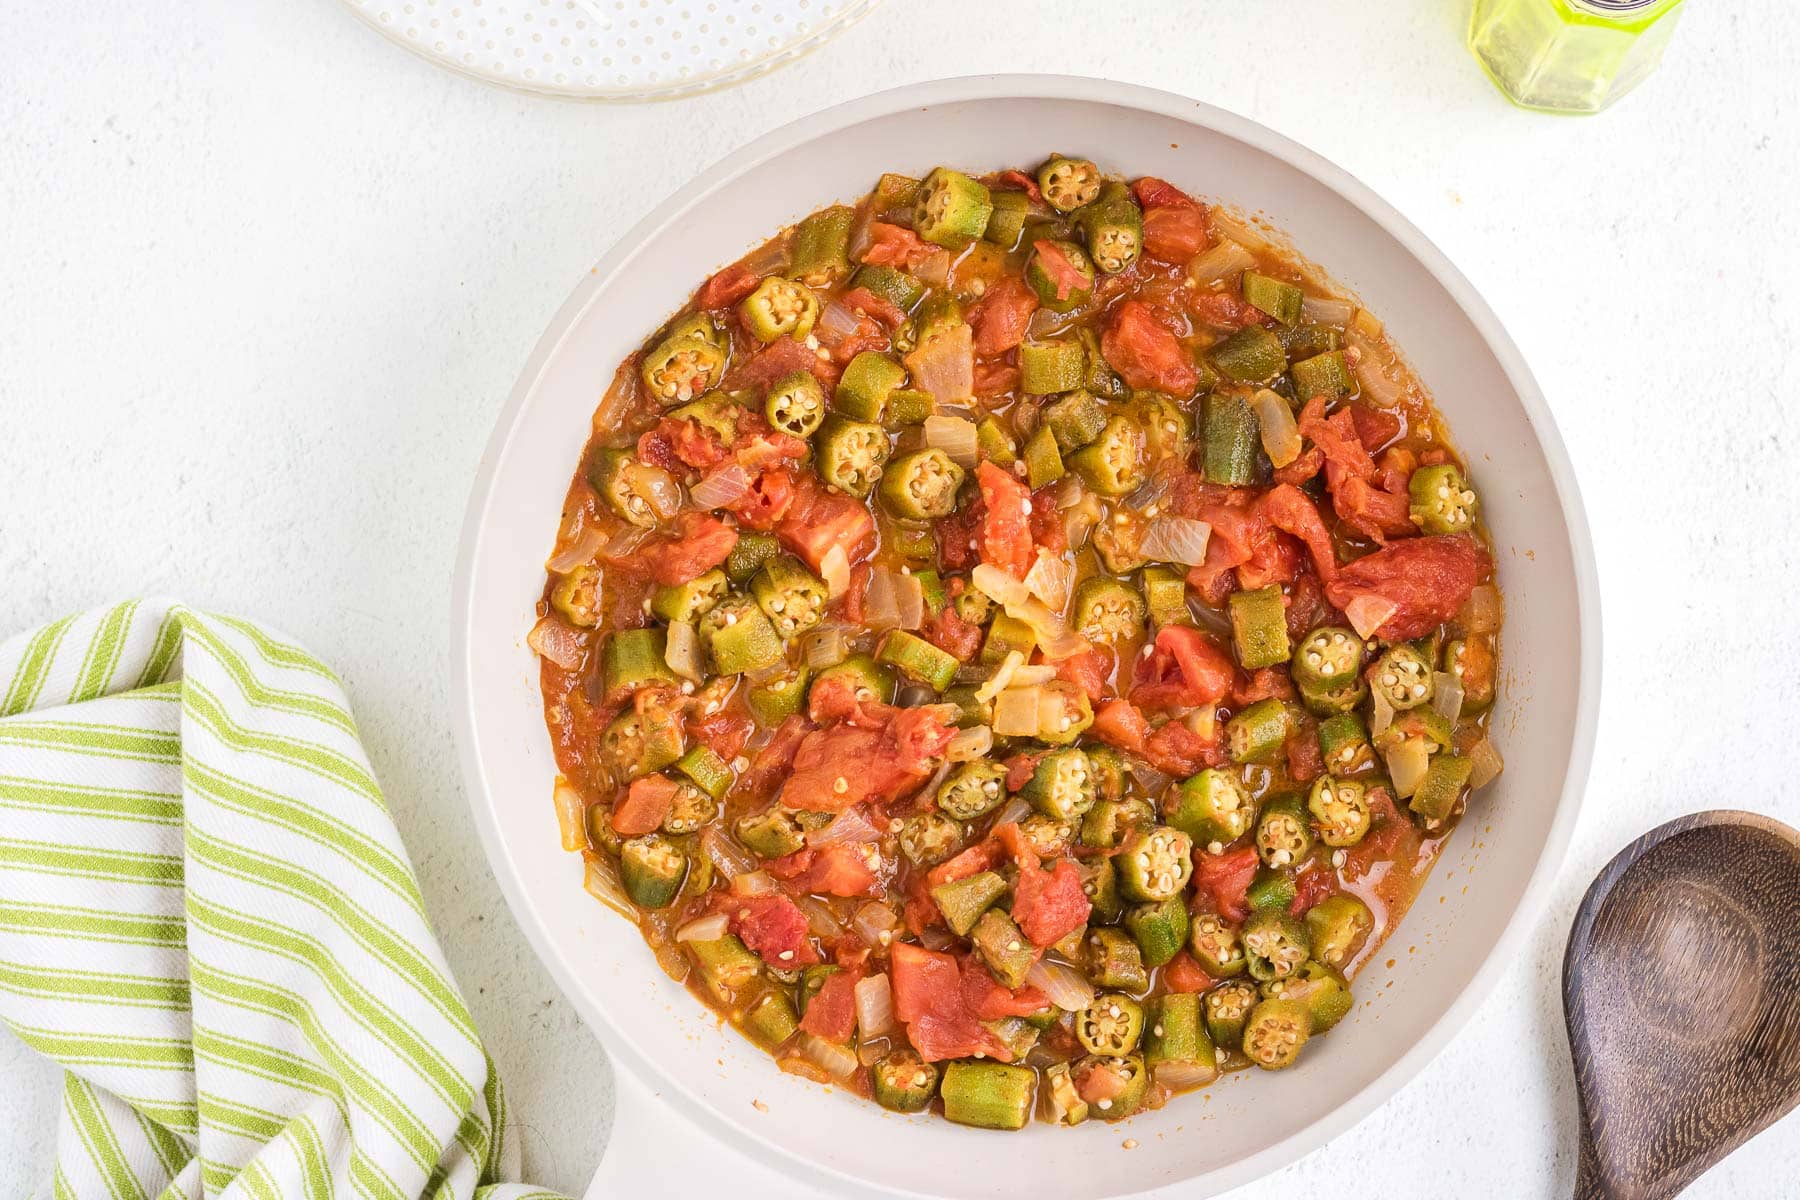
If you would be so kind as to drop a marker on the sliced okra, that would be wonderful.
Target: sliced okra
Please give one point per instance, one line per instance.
(1338, 926)
(1177, 1036)
(1002, 948)
(1215, 945)
(1275, 1033)
(703, 767)
(1339, 809)
(1323, 992)
(1344, 744)
(988, 1095)
(739, 637)
(863, 389)
(779, 308)
(1113, 960)
(1403, 677)
(773, 833)
(1251, 355)
(1227, 1010)
(652, 868)
(952, 209)
(1069, 183)
(1259, 627)
(1061, 785)
(631, 488)
(750, 553)
(1325, 374)
(820, 255)
(1473, 662)
(1212, 808)
(922, 485)
(1283, 836)
(1327, 657)
(962, 901)
(1275, 297)
(918, 660)
(688, 361)
(928, 838)
(1256, 734)
(576, 596)
(770, 1020)
(1165, 596)
(1113, 226)
(1006, 223)
(1061, 274)
(796, 404)
(1441, 500)
(1108, 610)
(1043, 461)
(1113, 464)
(1436, 796)
(638, 742)
(973, 789)
(1112, 1024)
(1233, 439)
(1048, 368)
(1275, 945)
(1125, 1085)
(903, 1082)
(688, 602)
(1110, 822)
(852, 455)
(775, 696)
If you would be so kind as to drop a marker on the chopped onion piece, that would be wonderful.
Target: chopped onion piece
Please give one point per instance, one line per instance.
(834, 569)
(621, 397)
(664, 490)
(872, 920)
(578, 553)
(909, 601)
(874, 1006)
(571, 815)
(1204, 721)
(819, 919)
(1280, 433)
(1176, 540)
(1050, 579)
(970, 744)
(1381, 713)
(826, 647)
(755, 883)
(1367, 323)
(557, 642)
(954, 436)
(622, 543)
(1045, 323)
(1015, 809)
(881, 604)
(1033, 676)
(1374, 367)
(1482, 611)
(1369, 612)
(1484, 764)
(1061, 984)
(1149, 778)
(934, 268)
(1054, 637)
(1448, 699)
(731, 859)
(682, 651)
(1407, 763)
(997, 585)
(836, 322)
(722, 488)
(1016, 712)
(1179, 1076)
(1001, 678)
(705, 929)
(835, 1060)
(1325, 310)
(944, 365)
(1218, 263)
(601, 881)
(848, 826)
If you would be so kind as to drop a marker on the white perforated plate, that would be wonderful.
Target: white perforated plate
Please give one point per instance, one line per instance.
(611, 49)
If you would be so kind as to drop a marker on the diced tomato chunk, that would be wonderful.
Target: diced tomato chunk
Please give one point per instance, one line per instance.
(1221, 310)
(1090, 670)
(1183, 974)
(774, 927)
(1261, 684)
(928, 1000)
(953, 635)
(1336, 437)
(999, 318)
(1185, 669)
(1154, 193)
(831, 1013)
(727, 287)
(779, 359)
(644, 805)
(697, 544)
(1311, 887)
(841, 869)
(837, 768)
(1019, 768)
(771, 494)
(1123, 724)
(994, 377)
(776, 758)
(1292, 511)
(982, 856)
(895, 246)
(1176, 234)
(1064, 275)
(990, 1000)
(1376, 513)
(817, 520)
(1375, 427)
(1426, 578)
(1145, 353)
(1304, 761)
(723, 732)
(880, 307)
(1019, 181)
(1227, 877)
(1005, 536)
(1176, 749)
(1049, 905)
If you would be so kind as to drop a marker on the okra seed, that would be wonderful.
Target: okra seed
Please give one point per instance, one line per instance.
(1105, 1104)
(840, 785)
(1339, 858)
(740, 763)
(1215, 847)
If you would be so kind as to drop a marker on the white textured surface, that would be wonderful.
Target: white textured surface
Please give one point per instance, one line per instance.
(267, 279)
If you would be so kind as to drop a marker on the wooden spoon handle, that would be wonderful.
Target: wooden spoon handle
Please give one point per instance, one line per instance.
(1588, 1183)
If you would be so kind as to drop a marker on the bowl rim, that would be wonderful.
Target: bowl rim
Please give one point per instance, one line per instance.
(1023, 86)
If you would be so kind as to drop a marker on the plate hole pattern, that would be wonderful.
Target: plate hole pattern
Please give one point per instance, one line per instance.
(612, 49)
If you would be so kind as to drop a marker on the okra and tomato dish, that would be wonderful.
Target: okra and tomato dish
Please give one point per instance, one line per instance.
(1016, 644)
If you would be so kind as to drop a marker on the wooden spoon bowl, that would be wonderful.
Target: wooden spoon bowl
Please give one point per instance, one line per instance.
(1681, 986)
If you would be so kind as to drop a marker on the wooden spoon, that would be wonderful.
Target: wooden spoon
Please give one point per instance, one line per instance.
(1681, 986)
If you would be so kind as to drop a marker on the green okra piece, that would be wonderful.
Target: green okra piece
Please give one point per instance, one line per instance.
(1424, 724)
(1474, 663)
(1326, 375)
(1165, 596)
(1273, 296)
(895, 193)
(1110, 821)
(1063, 1105)
(748, 556)
(1275, 1033)
(726, 967)
(1339, 809)
(1108, 611)
(633, 659)
(973, 789)
(652, 868)
(779, 308)
(1338, 926)
(1275, 945)
(1257, 734)
(1160, 929)
(1441, 500)
(851, 455)
(1113, 226)
(1043, 461)
(1064, 713)
(1127, 1095)
(909, 406)
(628, 486)
(1251, 355)
(1069, 183)
(1211, 807)
(1113, 960)
(770, 1020)
(775, 697)
(1003, 948)
(1233, 438)
(952, 209)
(796, 404)
(863, 390)
(688, 602)
(1066, 281)
(792, 597)
(1154, 864)
(1177, 1035)
(1344, 744)
(988, 1095)
(1403, 677)
(1323, 992)
(1046, 368)
(773, 833)
(1214, 943)
(688, 361)
(577, 597)
(1310, 340)
(706, 770)
(1442, 787)
(1328, 657)
(962, 901)
(739, 637)
(1100, 884)
(931, 588)
(689, 810)
(636, 743)
(1006, 635)
(1272, 888)
(994, 444)
(1099, 377)
(918, 659)
(1112, 1024)
(716, 412)
(1283, 836)
(1335, 701)
(928, 838)
(868, 680)
(1259, 627)
(1061, 785)
(915, 541)
(1006, 223)
(903, 1082)
(821, 251)
(922, 485)
(1226, 1010)
(898, 288)
(1113, 464)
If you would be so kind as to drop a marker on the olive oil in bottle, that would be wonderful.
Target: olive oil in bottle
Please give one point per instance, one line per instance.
(1570, 56)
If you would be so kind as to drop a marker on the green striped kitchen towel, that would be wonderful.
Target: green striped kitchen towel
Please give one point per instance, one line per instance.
(208, 919)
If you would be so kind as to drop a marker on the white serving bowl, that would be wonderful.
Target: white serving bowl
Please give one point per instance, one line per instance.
(1253, 1123)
